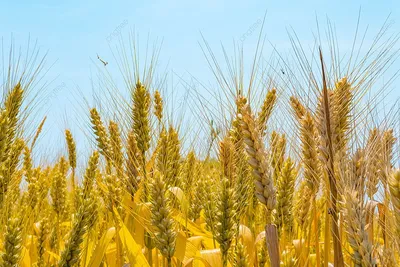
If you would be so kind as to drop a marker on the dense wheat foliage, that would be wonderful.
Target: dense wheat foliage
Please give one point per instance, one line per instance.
(322, 192)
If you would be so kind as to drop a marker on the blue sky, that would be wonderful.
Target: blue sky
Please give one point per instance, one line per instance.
(74, 32)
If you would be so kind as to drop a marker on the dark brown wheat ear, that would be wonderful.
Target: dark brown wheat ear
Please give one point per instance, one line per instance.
(330, 168)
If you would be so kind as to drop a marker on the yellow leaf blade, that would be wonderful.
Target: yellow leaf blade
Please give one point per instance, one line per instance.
(101, 248)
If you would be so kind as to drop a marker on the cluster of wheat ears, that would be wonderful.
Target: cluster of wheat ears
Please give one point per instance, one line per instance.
(326, 194)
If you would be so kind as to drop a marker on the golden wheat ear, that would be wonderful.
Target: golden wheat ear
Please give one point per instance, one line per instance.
(258, 160)
(38, 132)
(71, 254)
(298, 108)
(42, 238)
(102, 138)
(225, 218)
(133, 164)
(266, 110)
(158, 106)
(285, 189)
(71, 155)
(263, 179)
(357, 235)
(140, 116)
(161, 219)
(12, 240)
(116, 148)
(394, 186)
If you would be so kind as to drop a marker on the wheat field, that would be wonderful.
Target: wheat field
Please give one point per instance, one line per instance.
(323, 192)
